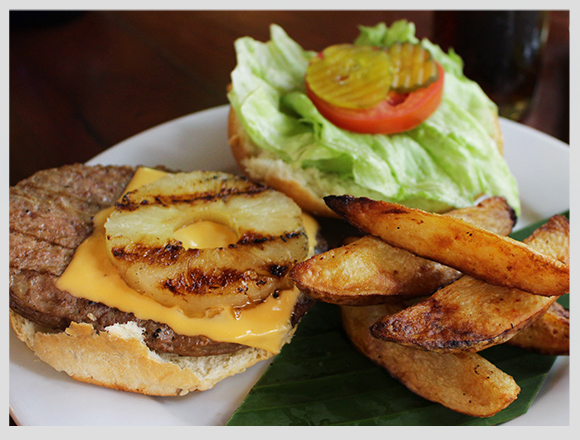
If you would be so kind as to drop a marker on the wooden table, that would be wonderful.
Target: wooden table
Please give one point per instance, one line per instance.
(82, 82)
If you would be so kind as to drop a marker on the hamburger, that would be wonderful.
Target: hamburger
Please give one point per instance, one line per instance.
(281, 136)
(104, 290)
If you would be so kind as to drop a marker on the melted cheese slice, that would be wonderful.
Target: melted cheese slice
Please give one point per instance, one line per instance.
(92, 275)
(205, 234)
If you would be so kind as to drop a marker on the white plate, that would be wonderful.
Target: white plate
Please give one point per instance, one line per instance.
(41, 396)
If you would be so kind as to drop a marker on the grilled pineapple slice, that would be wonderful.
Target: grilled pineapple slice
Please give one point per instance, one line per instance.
(267, 224)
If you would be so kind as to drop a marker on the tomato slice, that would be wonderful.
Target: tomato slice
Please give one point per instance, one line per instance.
(395, 114)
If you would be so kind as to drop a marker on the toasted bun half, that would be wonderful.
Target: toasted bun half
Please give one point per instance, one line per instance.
(261, 166)
(119, 359)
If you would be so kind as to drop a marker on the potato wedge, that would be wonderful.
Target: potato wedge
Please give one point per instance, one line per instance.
(370, 271)
(492, 213)
(549, 335)
(470, 314)
(472, 250)
(464, 382)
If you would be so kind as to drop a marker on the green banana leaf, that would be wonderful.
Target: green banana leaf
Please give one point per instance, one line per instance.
(320, 379)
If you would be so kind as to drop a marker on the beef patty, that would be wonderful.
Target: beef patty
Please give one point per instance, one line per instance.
(51, 213)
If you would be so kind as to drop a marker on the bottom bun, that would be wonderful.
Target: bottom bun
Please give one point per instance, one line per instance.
(119, 359)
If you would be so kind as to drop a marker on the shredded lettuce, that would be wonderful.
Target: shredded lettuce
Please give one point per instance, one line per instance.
(448, 161)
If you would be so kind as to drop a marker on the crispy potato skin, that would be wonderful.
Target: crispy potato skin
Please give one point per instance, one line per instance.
(493, 214)
(472, 250)
(370, 271)
(464, 382)
(467, 315)
(549, 335)
(470, 314)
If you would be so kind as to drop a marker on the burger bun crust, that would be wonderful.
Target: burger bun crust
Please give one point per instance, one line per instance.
(119, 359)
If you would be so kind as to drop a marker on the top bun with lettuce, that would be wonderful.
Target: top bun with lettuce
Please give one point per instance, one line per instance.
(280, 137)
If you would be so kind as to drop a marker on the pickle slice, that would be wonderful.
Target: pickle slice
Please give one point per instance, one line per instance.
(413, 67)
(350, 76)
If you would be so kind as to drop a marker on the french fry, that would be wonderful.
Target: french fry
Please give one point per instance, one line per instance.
(464, 382)
(370, 271)
(470, 314)
(549, 335)
(456, 243)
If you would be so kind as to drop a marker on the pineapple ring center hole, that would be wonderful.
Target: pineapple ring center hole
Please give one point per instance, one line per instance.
(205, 234)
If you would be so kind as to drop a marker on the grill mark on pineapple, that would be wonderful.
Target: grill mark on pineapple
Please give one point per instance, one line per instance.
(253, 238)
(152, 255)
(128, 204)
(198, 282)
(170, 253)
(278, 271)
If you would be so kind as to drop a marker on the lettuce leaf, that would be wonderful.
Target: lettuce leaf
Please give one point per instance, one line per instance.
(447, 161)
